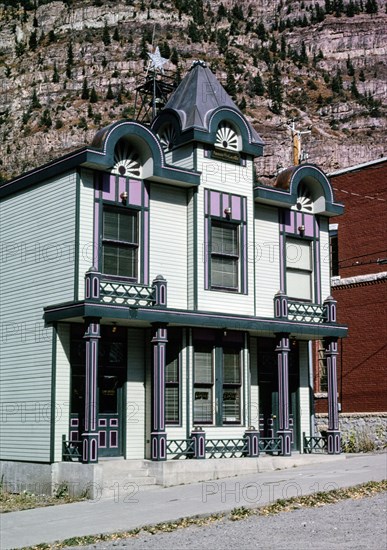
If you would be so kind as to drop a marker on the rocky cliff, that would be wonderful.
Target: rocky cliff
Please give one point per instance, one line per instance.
(68, 68)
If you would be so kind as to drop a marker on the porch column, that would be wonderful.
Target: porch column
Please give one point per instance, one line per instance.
(90, 434)
(284, 432)
(334, 439)
(158, 435)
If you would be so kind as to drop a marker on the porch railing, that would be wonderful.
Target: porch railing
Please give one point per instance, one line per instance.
(315, 444)
(269, 445)
(124, 294)
(304, 312)
(180, 448)
(99, 288)
(226, 448)
(71, 450)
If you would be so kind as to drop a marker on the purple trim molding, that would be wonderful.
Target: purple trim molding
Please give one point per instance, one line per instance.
(284, 431)
(135, 192)
(309, 225)
(215, 203)
(108, 187)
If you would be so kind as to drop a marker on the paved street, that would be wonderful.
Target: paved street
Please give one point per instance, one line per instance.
(351, 524)
(144, 507)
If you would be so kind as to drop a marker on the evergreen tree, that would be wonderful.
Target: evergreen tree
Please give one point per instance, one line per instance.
(371, 6)
(337, 83)
(194, 33)
(85, 90)
(257, 85)
(55, 76)
(174, 57)
(361, 76)
(283, 48)
(222, 12)
(275, 91)
(354, 91)
(33, 41)
(35, 103)
(45, 119)
(93, 96)
(70, 60)
(350, 68)
(231, 84)
(109, 94)
(105, 35)
(116, 35)
(303, 55)
(165, 50)
(261, 32)
(242, 104)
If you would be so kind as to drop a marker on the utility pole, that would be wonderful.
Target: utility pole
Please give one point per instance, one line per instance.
(298, 154)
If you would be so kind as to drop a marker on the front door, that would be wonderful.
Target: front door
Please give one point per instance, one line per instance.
(268, 390)
(112, 369)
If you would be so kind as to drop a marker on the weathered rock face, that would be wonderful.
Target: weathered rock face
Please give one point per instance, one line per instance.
(329, 70)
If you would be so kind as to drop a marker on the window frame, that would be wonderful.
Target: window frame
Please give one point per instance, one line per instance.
(218, 386)
(121, 244)
(300, 270)
(173, 348)
(216, 254)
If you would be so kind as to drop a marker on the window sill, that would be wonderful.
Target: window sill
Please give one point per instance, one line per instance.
(321, 395)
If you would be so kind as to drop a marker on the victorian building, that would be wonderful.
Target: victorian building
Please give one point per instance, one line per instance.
(157, 301)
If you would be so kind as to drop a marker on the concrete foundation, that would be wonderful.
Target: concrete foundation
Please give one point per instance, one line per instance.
(105, 479)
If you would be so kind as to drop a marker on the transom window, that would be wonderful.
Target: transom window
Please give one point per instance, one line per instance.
(224, 255)
(299, 269)
(120, 243)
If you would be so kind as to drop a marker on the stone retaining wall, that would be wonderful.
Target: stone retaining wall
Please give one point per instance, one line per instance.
(360, 432)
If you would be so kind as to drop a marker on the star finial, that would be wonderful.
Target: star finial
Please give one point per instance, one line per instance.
(157, 62)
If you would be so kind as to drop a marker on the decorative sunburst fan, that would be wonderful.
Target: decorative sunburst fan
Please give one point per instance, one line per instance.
(226, 137)
(127, 161)
(304, 199)
(167, 137)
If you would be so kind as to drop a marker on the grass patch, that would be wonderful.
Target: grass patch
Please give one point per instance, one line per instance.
(283, 505)
(14, 502)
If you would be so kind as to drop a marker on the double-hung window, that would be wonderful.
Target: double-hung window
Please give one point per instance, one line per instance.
(299, 269)
(172, 390)
(224, 255)
(203, 385)
(217, 385)
(120, 242)
(232, 381)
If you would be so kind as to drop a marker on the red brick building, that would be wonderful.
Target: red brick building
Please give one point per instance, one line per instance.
(359, 284)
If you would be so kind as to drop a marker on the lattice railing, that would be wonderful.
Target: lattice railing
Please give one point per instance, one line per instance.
(126, 294)
(305, 312)
(270, 445)
(226, 448)
(71, 450)
(315, 444)
(180, 448)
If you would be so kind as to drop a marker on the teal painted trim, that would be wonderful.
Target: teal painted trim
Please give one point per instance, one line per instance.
(179, 317)
(77, 236)
(316, 264)
(195, 248)
(254, 259)
(246, 381)
(187, 340)
(44, 173)
(53, 394)
(218, 382)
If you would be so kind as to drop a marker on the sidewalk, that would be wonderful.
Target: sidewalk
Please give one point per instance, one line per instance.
(133, 507)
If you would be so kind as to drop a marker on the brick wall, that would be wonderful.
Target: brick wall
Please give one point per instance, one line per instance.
(362, 238)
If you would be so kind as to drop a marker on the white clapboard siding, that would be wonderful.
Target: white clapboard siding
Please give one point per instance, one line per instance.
(191, 249)
(183, 157)
(37, 269)
(225, 176)
(304, 395)
(254, 389)
(86, 216)
(223, 301)
(325, 260)
(135, 395)
(62, 390)
(168, 241)
(266, 259)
